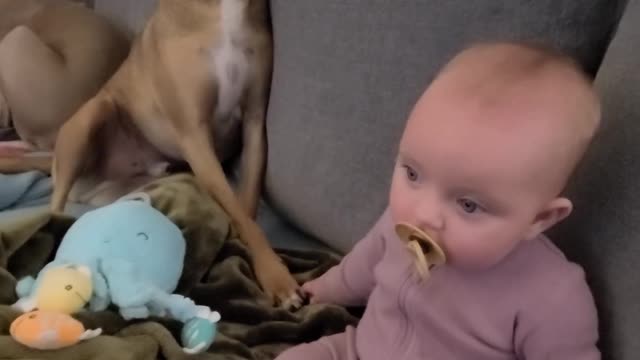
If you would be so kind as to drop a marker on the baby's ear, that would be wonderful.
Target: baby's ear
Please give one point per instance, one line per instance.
(554, 212)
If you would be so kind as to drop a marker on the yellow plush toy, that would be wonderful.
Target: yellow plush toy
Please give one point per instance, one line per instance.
(63, 288)
(66, 289)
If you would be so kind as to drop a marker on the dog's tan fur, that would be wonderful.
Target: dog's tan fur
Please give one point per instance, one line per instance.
(54, 55)
(194, 68)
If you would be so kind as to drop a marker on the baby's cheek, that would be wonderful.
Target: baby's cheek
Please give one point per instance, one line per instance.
(474, 248)
(400, 202)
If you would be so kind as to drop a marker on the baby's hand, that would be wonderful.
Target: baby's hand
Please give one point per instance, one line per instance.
(313, 293)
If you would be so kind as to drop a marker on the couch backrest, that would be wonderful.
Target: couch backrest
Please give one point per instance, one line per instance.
(347, 73)
(604, 231)
(128, 15)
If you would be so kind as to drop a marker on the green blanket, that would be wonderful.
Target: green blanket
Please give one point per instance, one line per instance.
(217, 273)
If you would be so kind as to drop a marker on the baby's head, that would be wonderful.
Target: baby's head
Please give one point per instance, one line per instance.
(489, 147)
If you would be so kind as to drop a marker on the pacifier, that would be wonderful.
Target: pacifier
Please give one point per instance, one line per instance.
(425, 251)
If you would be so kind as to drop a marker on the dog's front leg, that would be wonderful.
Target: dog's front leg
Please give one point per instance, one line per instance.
(253, 160)
(274, 277)
(74, 144)
(195, 140)
(254, 149)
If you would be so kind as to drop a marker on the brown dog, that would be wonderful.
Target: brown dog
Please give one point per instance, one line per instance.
(197, 78)
(54, 55)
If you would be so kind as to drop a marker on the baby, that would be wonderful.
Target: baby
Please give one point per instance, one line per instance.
(484, 158)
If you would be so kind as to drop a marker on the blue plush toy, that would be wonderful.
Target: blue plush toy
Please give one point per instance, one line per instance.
(135, 255)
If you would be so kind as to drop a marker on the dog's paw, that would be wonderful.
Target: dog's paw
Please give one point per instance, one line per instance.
(293, 301)
(278, 283)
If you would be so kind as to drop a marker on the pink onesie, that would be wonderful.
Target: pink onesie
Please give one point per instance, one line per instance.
(534, 305)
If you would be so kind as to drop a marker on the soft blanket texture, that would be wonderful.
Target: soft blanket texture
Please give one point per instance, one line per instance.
(24, 189)
(217, 273)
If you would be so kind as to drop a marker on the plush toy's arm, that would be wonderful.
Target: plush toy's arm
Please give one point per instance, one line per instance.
(100, 299)
(177, 306)
(25, 286)
(125, 288)
(25, 304)
(26, 289)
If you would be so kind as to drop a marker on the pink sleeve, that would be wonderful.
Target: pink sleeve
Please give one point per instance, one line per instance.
(351, 281)
(564, 325)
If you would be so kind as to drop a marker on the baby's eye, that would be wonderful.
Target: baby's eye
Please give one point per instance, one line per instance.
(412, 175)
(469, 206)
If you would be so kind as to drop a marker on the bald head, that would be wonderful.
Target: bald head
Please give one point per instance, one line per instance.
(530, 94)
(493, 71)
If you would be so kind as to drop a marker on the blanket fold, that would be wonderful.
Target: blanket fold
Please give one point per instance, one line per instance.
(217, 273)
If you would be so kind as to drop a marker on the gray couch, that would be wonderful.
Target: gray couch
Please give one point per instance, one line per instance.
(346, 74)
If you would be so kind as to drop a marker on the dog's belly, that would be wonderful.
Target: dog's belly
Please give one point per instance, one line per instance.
(226, 133)
(125, 162)
(126, 154)
(159, 132)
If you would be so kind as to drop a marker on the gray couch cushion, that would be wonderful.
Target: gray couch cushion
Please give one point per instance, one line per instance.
(347, 72)
(604, 231)
(128, 15)
(283, 235)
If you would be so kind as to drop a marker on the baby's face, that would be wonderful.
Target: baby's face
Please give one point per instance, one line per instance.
(476, 185)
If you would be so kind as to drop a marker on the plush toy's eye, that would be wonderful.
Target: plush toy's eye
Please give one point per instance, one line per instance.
(68, 287)
(143, 236)
(32, 316)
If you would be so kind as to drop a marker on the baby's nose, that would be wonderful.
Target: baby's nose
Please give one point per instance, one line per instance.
(428, 216)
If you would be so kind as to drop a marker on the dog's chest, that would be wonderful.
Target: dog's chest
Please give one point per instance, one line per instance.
(231, 67)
